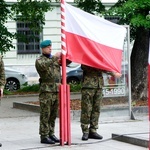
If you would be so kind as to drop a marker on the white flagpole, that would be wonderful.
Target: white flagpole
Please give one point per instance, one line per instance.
(65, 133)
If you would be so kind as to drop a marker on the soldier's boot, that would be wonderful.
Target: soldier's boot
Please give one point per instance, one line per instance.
(85, 136)
(47, 141)
(54, 138)
(94, 135)
(0, 145)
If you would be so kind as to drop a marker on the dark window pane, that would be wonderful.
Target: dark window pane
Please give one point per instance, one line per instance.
(28, 41)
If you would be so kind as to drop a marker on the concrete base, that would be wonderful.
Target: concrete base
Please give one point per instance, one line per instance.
(26, 106)
(131, 140)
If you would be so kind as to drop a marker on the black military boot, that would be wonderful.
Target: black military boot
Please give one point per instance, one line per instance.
(95, 135)
(0, 145)
(47, 141)
(54, 138)
(85, 136)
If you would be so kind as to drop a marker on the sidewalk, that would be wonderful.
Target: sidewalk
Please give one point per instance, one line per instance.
(19, 130)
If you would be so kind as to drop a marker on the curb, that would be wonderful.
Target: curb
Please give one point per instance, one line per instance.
(76, 113)
(131, 140)
(13, 96)
(25, 106)
(78, 94)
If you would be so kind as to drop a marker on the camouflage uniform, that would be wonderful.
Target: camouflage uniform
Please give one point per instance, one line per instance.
(49, 72)
(91, 98)
(2, 74)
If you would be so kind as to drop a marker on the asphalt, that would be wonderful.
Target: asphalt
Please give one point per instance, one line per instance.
(19, 129)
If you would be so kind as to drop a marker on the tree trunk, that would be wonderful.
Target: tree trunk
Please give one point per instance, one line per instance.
(139, 63)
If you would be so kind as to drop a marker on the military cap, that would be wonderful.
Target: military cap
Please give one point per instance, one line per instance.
(45, 43)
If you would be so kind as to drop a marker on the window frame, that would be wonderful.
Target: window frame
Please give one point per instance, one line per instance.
(33, 44)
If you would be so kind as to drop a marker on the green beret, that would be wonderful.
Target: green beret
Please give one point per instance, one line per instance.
(45, 43)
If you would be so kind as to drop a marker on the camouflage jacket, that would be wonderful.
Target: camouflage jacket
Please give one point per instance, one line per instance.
(49, 72)
(2, 74)
(92, 77)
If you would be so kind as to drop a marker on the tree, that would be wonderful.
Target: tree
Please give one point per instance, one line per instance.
(134, 13)
(23, 10)
(5, 36)
(91, 6)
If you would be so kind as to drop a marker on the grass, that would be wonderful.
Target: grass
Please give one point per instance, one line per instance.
(35, 89)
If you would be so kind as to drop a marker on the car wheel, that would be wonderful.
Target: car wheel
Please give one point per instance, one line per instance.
(73, 80)
(12, 85)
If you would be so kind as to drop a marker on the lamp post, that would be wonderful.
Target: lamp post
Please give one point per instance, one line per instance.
(148, 18)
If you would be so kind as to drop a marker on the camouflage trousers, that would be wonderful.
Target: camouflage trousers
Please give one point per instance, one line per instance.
(48, 113)
(90, 109)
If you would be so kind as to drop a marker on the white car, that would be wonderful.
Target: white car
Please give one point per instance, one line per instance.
(14, 79)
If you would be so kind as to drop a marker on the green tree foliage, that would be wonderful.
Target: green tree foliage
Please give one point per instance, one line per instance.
(133, 13)
(5, 36)
(32, 11)
(91, 6)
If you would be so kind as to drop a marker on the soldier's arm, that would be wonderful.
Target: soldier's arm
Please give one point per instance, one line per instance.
(44, 66)
(115, 74)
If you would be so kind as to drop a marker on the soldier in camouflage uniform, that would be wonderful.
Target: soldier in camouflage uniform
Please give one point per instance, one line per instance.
(91, 100)
(48, 68)
(2, 79)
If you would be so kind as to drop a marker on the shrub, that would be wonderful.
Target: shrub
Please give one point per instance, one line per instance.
(35, 89)
(75, 87)
(30, 88)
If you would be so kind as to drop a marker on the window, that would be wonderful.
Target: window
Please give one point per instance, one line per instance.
(114, 19)
(28, 41)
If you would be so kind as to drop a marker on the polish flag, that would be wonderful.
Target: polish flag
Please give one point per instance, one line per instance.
(92, 40)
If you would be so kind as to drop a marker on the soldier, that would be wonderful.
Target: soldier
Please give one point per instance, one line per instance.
(91, 100)
(2, 79)
(48, 68)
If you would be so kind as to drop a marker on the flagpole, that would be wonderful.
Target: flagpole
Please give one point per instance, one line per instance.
(65, 134)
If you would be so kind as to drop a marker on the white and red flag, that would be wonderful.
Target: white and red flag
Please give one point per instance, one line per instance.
(92, 40)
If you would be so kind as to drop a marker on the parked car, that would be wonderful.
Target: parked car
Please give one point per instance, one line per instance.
(74, 76)
(14, 79)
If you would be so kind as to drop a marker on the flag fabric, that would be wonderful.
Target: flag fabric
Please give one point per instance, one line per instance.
(92, 40)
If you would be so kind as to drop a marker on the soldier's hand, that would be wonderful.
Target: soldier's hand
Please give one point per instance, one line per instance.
(58, 55)
(117, 75)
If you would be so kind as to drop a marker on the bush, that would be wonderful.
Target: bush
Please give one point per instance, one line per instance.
(75, 87)
(7, 92)
(35, 89)
(30, 88)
